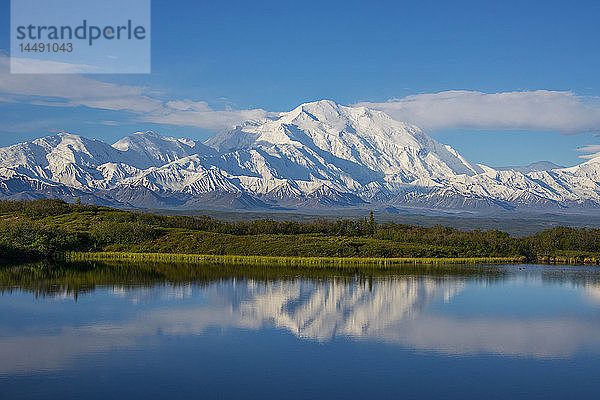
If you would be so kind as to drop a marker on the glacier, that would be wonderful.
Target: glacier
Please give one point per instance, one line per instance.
(320, 154)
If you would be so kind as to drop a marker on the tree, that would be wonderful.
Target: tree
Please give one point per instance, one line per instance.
(371, 223)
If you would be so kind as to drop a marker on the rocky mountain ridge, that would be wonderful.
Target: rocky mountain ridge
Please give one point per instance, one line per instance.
(320, 154)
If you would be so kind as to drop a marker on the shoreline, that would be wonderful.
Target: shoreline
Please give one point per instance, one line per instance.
(317, 261)
(309, 262)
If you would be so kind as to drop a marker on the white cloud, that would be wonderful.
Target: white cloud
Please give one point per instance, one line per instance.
(37, 125)
(21, 65)
(590, 148)
(545, 110)
(200, 114)
(560, 111)
(72, 90)
(188, 105)
(109, 123)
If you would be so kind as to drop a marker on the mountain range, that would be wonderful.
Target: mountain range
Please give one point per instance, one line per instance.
(320, 154)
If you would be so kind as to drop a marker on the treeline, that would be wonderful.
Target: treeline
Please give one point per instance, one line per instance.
(52, 207)
(40, 228)
(44, 207)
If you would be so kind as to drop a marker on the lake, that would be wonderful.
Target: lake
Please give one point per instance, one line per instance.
(146, 331)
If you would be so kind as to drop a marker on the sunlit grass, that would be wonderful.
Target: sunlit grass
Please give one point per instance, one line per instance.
(305, 262)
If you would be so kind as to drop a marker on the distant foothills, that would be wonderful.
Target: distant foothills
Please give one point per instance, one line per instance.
(319, 155)
(47, 229)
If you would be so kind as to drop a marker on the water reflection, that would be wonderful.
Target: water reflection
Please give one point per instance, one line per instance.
(593, 292)
(535, 313)
(333, 308)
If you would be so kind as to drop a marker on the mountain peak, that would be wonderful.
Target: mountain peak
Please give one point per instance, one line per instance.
(318, 111)
(533, 167)
(351, 137)
(319, 150)
(145, 149)
(141, 139)
(147, 133)
(61, 135)
(66, 139)
(320, 105)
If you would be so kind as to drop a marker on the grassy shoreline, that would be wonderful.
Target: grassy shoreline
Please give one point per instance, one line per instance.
(50, 229)
(382, 262)
(274, 260)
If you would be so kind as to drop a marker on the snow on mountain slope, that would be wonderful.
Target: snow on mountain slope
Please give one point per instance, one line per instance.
(91, 164)
(533, 167)
(333, 138)
(147, 149)
(318, 154)
(62, 158)
(185, 175)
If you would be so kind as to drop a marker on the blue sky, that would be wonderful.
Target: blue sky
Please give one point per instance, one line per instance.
(505, 84)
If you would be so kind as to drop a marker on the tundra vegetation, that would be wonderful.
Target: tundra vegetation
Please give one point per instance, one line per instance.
(47, 228)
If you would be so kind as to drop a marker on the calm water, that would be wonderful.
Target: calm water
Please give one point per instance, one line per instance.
(489, 332)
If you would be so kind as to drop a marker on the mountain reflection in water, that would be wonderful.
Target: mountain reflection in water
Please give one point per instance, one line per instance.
(542, 312)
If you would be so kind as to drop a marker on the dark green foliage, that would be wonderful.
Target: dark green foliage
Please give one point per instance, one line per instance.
(77, 278)
(371, 224)
(24, 239)
(566, 239)
(467, 243)
(111, 232)
(42, 207)
(40, 228)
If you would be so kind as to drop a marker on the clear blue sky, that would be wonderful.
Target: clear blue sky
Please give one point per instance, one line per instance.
(276, 55)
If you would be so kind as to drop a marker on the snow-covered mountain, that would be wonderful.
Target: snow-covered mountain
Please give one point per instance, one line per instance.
(320, 154)
(533, 167)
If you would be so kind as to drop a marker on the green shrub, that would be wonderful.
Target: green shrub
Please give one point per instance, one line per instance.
(109, 232)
